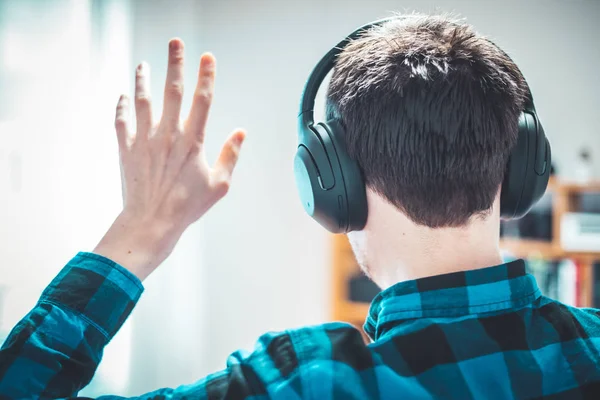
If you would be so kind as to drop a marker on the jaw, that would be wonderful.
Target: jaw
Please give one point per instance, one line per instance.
(358, 243)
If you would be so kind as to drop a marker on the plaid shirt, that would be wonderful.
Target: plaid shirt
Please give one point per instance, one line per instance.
(482, 334)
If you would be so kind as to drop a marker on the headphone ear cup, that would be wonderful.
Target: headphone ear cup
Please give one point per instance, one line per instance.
(528, 169)
(329, 183)
(317, 202)
(351, 176)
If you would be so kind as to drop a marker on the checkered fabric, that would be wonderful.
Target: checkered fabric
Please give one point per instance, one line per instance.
(482, 334)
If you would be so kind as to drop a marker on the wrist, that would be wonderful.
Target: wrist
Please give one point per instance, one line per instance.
(138, 245)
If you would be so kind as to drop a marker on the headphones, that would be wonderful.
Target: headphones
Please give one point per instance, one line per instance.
(331, 185)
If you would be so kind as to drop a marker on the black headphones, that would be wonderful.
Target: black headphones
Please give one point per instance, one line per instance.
(331, 185)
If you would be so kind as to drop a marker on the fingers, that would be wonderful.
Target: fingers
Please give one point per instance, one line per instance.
(122, 121)
(174, 83)
(203, 95)
(228, 158)
(143, 106)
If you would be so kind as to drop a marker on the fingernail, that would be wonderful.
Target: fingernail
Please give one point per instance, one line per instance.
(240, 138)
(175, 44)
(207, 60)
(141, 67)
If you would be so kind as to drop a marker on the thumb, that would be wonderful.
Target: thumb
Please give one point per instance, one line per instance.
(228, 158)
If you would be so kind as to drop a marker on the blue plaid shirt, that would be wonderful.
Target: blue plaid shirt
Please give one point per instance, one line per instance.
(482, 334)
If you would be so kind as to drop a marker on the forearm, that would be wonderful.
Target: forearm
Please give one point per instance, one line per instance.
(139, 245)
(54, 351)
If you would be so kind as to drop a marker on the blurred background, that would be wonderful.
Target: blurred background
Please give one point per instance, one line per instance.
(255, 263)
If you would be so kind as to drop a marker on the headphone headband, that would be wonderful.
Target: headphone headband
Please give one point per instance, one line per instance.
(326, 64)
(528, 104)
(320, 71)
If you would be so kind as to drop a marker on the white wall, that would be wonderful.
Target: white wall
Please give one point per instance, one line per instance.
(61, 75)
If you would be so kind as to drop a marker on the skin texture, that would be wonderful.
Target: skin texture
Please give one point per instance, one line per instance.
(392, 248)
(167, 182)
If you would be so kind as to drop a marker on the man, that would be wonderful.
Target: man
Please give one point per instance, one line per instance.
(430, 110)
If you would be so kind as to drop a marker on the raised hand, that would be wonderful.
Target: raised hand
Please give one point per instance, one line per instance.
(167, 182)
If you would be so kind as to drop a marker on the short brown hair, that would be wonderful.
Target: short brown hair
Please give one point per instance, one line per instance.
(430, 110)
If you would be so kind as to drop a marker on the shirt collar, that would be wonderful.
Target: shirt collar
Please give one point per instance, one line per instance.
(492, 289)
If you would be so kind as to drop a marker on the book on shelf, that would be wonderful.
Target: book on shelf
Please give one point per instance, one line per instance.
(557, 279)
(596, 285)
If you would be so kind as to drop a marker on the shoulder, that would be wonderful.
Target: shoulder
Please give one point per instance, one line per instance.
(289, 349)
(570, 322)
(308, 359)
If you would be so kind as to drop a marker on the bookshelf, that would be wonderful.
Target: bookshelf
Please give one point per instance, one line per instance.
(564, 199)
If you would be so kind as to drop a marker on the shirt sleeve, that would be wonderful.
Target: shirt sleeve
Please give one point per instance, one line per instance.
(54, 351)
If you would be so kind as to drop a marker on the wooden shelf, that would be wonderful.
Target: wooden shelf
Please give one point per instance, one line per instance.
(355, 312)
(574, 187)
(552, 184)
(525, 248)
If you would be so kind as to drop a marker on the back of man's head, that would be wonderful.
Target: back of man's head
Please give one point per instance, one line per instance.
(430, 109)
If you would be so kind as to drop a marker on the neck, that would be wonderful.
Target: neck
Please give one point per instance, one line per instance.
(393, 249)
